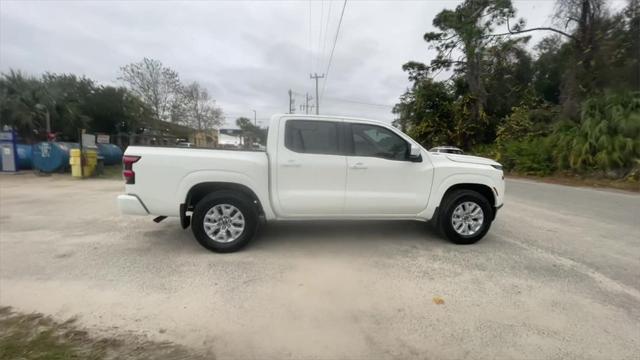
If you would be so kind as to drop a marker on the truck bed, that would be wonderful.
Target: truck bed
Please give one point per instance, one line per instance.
(164, 175)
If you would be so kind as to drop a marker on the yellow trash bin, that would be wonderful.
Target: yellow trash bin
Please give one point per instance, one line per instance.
(74, 161)
(90, 162)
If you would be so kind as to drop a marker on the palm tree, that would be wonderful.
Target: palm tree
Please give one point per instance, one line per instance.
(22, 104)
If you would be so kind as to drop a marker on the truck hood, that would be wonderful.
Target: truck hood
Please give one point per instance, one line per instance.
(471, 159)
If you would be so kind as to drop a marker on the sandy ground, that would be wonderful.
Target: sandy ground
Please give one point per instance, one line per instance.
(557, 277)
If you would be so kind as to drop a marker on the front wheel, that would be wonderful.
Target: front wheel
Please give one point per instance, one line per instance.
(224, 221)
(465, 216)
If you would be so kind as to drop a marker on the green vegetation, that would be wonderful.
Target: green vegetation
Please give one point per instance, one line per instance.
(38, 337)
(154, 101)
(570, 106)
(68, 103)
(112, 172)
(253, 132)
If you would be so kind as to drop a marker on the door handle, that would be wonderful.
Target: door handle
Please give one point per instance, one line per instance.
(291, 163)
(358, 166)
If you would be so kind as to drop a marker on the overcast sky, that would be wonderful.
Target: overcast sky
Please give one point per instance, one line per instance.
(248, 54)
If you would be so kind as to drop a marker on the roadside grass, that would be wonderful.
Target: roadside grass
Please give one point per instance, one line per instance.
(112, 172)
(35, 336)
(593, 182)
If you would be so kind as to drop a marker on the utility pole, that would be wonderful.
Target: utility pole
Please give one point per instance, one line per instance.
(255, 120)
(306, 106)
(316, 77)
(292, 105)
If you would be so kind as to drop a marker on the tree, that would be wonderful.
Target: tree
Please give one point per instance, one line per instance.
(426, 112)
(548, 69)
(200, 110)
(508, 76)
(20, 96)
(622, 48)
(467, 29)
(251, 131)
(113, 110)
(584, 20)
(158, 86)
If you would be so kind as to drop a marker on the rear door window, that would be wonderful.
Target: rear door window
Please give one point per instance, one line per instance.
(312, 137)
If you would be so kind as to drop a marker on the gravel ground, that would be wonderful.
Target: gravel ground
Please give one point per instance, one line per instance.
(558, 276)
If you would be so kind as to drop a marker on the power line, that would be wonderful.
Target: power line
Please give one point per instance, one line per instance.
(309, 44)
(319, 56)
(335, 40)
(326, 31)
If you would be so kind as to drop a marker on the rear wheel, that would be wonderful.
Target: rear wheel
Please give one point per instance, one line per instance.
(224, 221)
(465, 216)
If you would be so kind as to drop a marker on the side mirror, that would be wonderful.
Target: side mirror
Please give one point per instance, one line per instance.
(414, 153)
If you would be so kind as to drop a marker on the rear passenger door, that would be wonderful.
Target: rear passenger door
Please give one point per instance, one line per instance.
(311, 168)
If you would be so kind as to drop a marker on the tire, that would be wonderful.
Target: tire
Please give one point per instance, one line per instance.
(221, 208)
(469, 232)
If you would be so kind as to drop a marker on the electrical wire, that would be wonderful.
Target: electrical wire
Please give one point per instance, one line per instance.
(319, 56)
(309, 47)
(335, 41)
(326, 31)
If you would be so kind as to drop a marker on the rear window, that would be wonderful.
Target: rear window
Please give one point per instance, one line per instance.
(312, 137)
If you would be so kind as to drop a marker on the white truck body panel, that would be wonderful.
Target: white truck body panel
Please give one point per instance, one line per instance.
(165, 175)
(293, 185)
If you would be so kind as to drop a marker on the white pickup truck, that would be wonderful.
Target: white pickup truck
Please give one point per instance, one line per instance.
(314, 167)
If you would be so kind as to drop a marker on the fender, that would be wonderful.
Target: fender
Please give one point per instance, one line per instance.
(447, 182)
(202, 176)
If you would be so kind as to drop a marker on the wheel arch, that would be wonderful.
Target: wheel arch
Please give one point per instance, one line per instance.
(480, 183)
(198, 191)
(482, 189)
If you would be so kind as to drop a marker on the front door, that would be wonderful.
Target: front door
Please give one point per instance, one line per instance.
(311, 170)
(381, 180)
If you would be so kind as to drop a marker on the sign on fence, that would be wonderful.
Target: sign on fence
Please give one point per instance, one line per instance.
(88, 140)
(102, 139)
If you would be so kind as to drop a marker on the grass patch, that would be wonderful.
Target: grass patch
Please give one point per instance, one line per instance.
(38, 337)
(35, 336)
(112, 172)
(584, 181)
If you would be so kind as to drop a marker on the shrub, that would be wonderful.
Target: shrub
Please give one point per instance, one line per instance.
(527, 157)
(607, 137)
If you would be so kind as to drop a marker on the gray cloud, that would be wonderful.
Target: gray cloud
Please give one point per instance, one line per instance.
(248, 54)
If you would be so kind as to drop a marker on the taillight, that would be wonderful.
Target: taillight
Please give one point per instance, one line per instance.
(128, 173)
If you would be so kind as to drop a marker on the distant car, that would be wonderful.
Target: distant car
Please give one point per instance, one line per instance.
(257, 146)
(184, 145)
(447, 149)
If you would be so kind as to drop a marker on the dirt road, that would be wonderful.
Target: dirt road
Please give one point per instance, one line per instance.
(558, 276)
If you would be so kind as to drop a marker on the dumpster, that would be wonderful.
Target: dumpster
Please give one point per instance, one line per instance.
(25, 153)
(111, 153)
(50, 157)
